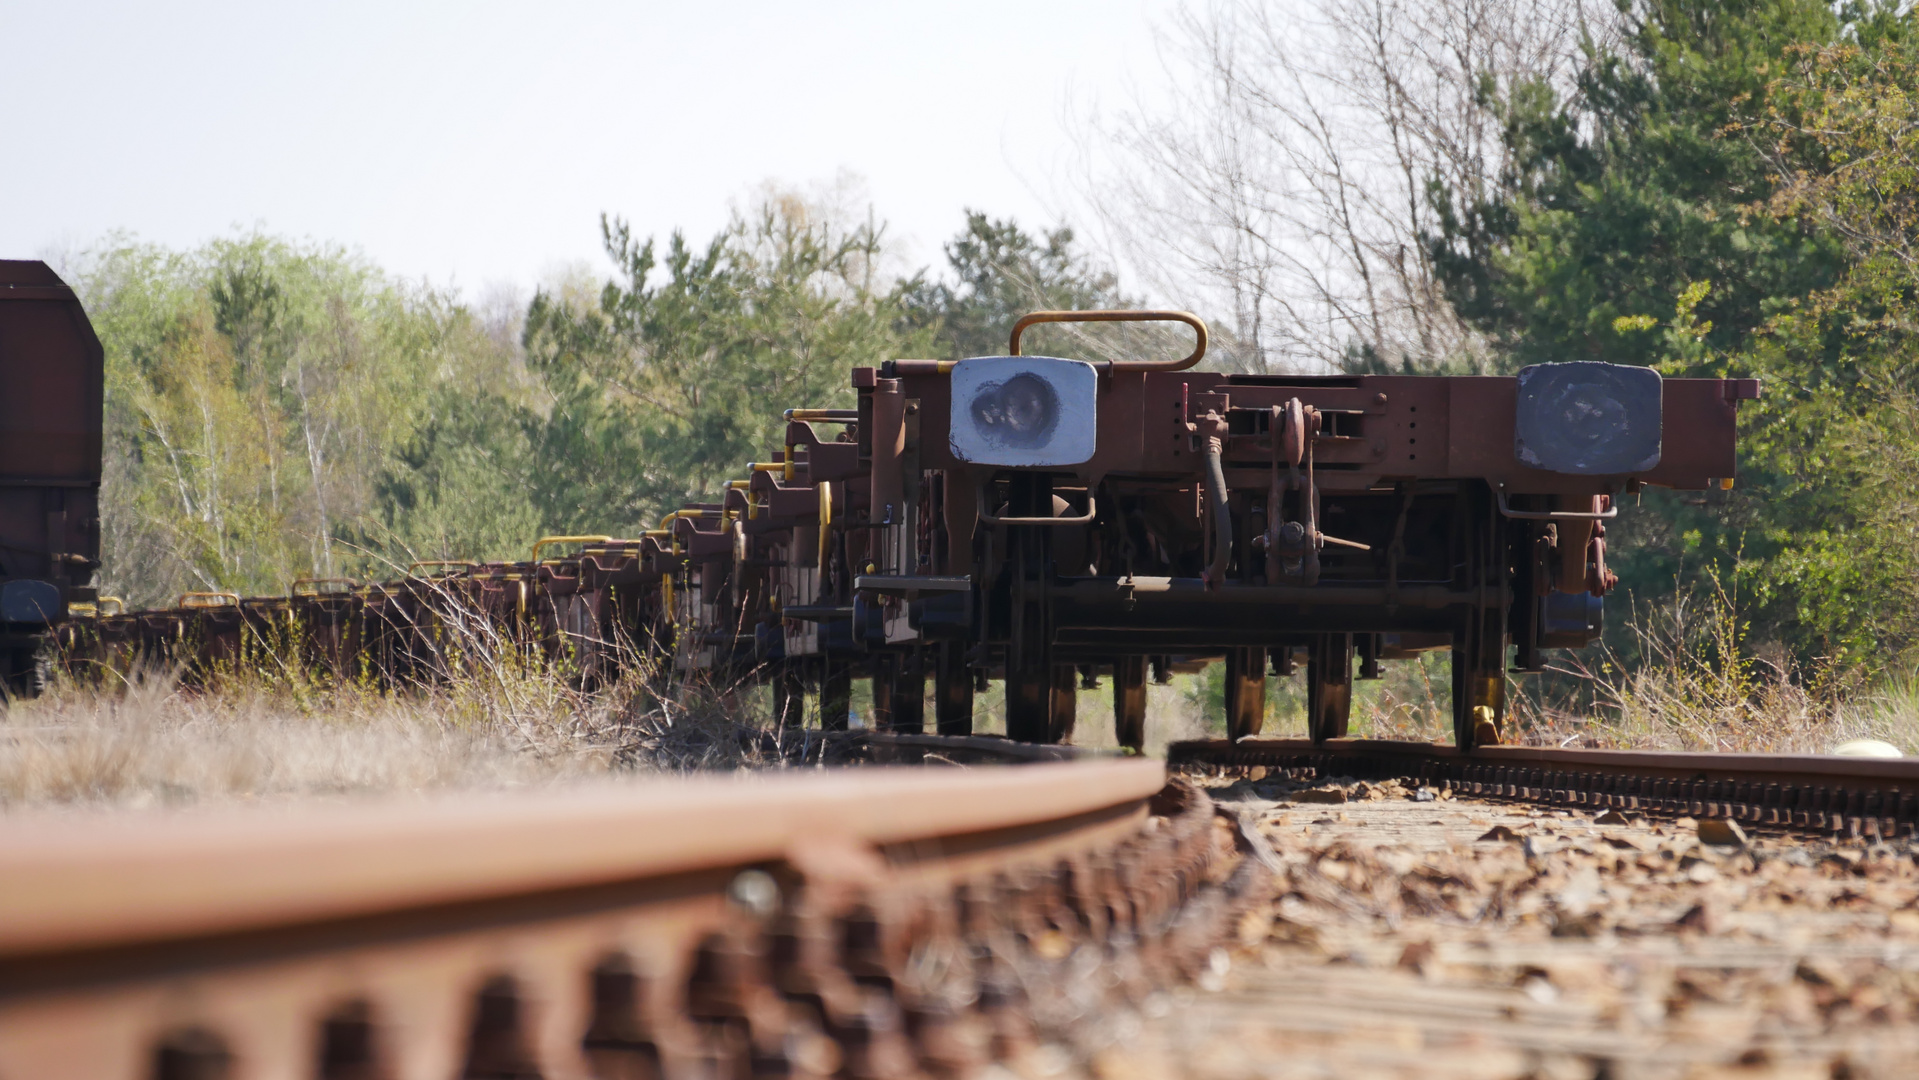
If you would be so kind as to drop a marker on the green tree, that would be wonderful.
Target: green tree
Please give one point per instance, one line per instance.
(1639, 224)
(670, 384)
(1837, 438)
(258, 395)
(1623, 197)
(999, 272)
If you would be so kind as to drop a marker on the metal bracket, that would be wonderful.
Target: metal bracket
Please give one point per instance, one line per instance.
(906, 584)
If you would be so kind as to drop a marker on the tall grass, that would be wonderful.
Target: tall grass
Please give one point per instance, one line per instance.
(1699, 682)
(500, 713)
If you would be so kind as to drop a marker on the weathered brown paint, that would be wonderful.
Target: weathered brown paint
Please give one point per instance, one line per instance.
(52, 370)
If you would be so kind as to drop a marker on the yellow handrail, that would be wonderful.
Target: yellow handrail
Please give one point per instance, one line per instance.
(207, 599)
(119, 605)
(546, 540)
(826, 527)
(746, 486)
(695, 514)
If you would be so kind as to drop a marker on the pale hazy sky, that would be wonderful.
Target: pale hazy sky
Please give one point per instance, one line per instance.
(477, 143)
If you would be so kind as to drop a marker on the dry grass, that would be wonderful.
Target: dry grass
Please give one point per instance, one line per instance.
(505, 719)
(1701, 684)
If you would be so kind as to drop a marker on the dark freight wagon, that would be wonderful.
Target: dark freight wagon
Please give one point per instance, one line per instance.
(51, 373)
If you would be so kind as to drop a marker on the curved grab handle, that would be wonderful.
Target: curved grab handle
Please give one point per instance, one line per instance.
(546, 540)
(119, 605)
(1092, 511)
(1553, 515)
(317, 586)
(1187, 317)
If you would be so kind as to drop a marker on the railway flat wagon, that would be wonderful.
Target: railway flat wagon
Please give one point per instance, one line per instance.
(51, 393)
(1046, 520)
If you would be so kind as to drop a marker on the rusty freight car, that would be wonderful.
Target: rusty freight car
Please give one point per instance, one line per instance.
(1039, 520)
(51, 372)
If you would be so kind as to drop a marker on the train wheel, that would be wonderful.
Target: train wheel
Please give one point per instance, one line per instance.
(952, 690)
(1245, 692)
(1463, 666)
(1065, 703)
(908, 696)
(885, 666)
(1029, 699)
(25, 676)
(1029, 670)
(1329, 687)
(836, 694)
(1129, 701)
(1029, 652)
(1479, 692)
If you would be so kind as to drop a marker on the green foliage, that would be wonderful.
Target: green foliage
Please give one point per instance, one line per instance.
(1621, 199)
(1837, 439)
(278, 410)
(667, 388)
(1000, 272)
(256, 393)
(1729, 192)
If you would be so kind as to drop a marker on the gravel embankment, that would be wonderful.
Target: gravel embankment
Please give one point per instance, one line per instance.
(1413, 935)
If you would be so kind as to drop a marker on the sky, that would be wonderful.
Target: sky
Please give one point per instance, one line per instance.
(476, 144)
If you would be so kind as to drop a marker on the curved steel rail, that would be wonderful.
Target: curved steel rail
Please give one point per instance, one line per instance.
(1851, 797)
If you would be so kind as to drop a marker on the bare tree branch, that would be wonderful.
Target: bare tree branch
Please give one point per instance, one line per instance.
(1283, 182)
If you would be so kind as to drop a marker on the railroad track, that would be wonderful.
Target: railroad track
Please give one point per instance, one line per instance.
(873, 922)
(865, 923)
(1818, 795)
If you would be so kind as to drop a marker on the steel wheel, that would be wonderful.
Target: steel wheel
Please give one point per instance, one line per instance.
(952, 690)
(1065, 703)
(1129, 701)
(1245, 692)
(1329, 687)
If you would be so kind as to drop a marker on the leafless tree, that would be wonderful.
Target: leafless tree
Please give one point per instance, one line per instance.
(1287, 177)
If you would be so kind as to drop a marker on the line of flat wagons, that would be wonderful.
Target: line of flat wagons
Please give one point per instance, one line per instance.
(1052, 524)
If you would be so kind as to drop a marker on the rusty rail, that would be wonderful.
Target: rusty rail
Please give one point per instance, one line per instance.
(869, 923)
(1844, 797)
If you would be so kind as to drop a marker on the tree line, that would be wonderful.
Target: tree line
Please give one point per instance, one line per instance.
(278, 410)
(1708, 187)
